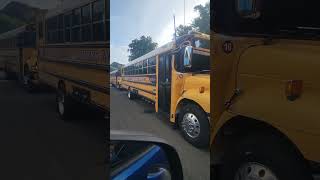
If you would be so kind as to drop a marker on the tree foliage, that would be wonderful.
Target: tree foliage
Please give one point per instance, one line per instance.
(182, 30)
(202, 23)
(140, 47)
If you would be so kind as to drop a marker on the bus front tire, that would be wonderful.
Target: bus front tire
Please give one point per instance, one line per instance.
(194, 125)
(261, 156)
(27, 81)
(64, 105)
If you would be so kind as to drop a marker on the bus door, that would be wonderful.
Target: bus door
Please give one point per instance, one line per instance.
(164, 86)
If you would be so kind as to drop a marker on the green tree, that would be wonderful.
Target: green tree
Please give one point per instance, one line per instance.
(182, 30)
(140, 47)
(202, 23)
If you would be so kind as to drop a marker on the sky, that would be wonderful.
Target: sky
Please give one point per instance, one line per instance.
(130, 19)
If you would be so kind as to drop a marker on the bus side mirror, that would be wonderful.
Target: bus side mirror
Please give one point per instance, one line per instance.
(248, 8)
(187, 57)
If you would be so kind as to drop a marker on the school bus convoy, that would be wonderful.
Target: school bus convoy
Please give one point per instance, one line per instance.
(176, 78)
(67, 49)
(265, 90)
(115, 78)
(74, 55)
(18, 54)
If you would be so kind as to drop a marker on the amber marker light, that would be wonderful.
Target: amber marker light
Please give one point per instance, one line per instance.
(294, 89)
(201, 89)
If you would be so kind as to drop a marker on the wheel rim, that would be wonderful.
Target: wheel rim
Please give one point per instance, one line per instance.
(254, 171)
(25, 80)
(61, 103)
(191, 125)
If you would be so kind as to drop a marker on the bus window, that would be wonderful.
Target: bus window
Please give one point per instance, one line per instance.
(98, 10)
(200, 62)
(67, 23)
(152, 65)
(86, 23)
(40, 31)
(98, 21)
(76, 17)
(76, 34)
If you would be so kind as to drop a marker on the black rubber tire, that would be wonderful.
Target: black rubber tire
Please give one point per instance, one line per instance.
(28, 85)
(270, 151)
(131, 95)
(68, 105)
(5, 75)
(202, 140)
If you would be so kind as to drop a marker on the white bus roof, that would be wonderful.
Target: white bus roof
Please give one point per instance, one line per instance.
(67, 5)
(166, 47)
(12, 33)
(113, 72)
(162, 49)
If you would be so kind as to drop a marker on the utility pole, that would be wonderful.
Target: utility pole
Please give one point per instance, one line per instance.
(175, 29)
(184, 12)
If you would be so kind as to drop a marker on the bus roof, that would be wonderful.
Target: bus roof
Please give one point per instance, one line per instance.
(153, 53)
(67, 6)
(113, 72)
(168, 47)
(13, 33)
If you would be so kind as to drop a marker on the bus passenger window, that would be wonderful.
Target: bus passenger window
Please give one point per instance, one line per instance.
(67, 24)
(98, 21)
(98, 31)
(40, 30)
(248, 8)
(76, 34)
(98, 10)
(86, 23)
(76, 17)
(85, 15)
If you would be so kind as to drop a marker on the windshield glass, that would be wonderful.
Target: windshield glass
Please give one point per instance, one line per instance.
(200, 61)
(274, 17)
(201, 43)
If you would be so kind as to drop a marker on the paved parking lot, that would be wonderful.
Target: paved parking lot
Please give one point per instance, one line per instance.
(137, 115)
(36, 144)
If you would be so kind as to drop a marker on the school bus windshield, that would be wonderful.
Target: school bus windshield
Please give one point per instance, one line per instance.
(202, 43)
(200, 62)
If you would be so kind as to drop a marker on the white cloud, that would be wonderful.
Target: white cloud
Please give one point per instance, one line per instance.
(167, 33)
(119, 54)
(155, 19)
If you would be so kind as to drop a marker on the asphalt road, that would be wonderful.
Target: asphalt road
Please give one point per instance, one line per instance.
(138, 115)
(36, 144)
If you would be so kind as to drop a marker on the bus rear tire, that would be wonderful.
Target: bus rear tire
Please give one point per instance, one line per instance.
(260, 155)
(131, 95)
(194, 125)
(64, 104)
(27, 81)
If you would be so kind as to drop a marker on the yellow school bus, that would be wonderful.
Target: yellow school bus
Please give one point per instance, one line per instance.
(115, 79)
(176, 78)
(74, 55)
(18, 53)
(265, 90)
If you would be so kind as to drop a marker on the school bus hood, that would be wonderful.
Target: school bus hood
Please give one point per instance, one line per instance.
(197, 88)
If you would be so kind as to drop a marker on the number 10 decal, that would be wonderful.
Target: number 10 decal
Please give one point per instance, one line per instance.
(227, 47)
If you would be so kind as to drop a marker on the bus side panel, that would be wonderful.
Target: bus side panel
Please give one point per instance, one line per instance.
(178, 79)
(156, 104)
(79, 67)
(263, 77)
